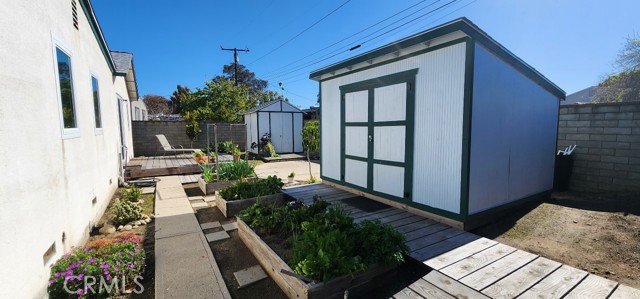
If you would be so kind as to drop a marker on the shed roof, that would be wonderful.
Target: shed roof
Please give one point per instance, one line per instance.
(267, 104)
(463, 25)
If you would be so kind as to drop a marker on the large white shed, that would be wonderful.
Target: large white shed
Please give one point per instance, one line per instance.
(279, 118)
(445, 123)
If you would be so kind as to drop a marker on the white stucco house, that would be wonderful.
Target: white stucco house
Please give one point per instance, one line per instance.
(65, 129)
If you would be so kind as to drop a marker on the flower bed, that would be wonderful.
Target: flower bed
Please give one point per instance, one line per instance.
(118, 262)
(228, 174)
(327, 252)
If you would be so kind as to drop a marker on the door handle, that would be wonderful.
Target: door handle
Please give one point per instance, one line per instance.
(370, 138)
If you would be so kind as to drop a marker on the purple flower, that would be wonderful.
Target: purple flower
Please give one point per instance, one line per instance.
(86, 249)
(108, 277)
(52, 281)
(80, 276)
(92, 260)
(56, 274)
(115, 268)
(106, 272)
(80, 292)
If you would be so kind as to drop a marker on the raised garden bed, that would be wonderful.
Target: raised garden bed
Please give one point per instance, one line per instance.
(210, 188)
(232, 207)
(291, 283)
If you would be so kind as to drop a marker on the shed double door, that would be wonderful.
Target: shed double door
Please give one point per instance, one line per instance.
(377, 137)
(281, 131)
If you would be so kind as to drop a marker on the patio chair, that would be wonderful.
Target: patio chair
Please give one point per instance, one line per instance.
(168, 148)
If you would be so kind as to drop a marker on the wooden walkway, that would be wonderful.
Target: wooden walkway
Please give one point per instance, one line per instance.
(181, 164)
(469, 266)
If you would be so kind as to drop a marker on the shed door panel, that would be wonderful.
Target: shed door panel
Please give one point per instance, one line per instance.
(281, 131)
(375, 137)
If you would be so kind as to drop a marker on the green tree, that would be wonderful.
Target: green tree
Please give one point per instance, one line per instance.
(624, 86)
(311, 141)
(192, 128)
(219, 101)
(182, 94)
(245, 77)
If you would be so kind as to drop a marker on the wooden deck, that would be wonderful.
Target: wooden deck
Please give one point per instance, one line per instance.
(469, 266)
(182, 164)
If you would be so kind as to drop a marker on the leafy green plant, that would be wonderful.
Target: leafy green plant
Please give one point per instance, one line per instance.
(207, 173)
(382, 243)
(242, 190)
(236, 150)
(311, 141)
(192, 128)
(226, 147)
(235, 170)
(198, 154)
(132, 194)
(292, 174)
(112, 259)
(271, 150)
(124, 211)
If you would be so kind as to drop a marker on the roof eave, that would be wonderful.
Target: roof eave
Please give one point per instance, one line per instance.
(460, 24)
(97, 32)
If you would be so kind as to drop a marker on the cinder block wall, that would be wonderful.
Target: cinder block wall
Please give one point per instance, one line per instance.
(607, 156)
(145, 142)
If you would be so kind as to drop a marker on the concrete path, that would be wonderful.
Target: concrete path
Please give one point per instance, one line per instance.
(185, 266)
(283, 169)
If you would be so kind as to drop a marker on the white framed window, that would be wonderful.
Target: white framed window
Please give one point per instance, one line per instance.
(65, 87)
(138, 114)
(95, 92)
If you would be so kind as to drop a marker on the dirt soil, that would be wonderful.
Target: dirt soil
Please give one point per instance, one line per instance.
(597, 233)
(232, 255)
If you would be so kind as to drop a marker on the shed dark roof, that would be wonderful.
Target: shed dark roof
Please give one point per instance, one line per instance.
(122, 61)
(461, 24)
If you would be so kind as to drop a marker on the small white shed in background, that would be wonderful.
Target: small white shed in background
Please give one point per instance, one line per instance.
(446, 123)
(279, 118)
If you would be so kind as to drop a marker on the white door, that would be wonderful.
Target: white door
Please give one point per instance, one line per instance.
(377, 118)
(281, 131)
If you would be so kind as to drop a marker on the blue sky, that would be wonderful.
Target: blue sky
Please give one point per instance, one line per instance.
(573, 43)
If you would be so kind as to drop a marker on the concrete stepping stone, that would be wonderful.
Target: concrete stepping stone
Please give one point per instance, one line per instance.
(196, 198)
(209, 198)
(210, 225)
(217, 236)
(250, 275)
(148, 190)
(199, 205)
(230, 226)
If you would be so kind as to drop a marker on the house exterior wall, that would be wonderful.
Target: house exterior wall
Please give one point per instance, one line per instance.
(439, 101)
(142, 108)
(48, 181)
(513, 134)
(607, 139)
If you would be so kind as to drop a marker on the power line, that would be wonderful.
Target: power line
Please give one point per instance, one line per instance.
(235, 60)
(348, 37)
(301, 32)
(376, 37)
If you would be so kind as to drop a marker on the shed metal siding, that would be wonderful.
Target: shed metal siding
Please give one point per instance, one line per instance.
(438, 123)
(513, 134)
(297, 132)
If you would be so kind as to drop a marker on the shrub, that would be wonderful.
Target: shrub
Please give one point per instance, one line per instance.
(116, 261)
(235, 170)
(242, 190)
(132, 194)
(124, 211)
(270, 150)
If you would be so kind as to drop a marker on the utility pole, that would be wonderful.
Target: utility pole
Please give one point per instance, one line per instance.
(235, 59)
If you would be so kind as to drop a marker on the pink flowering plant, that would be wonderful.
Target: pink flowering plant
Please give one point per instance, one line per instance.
(101, 269)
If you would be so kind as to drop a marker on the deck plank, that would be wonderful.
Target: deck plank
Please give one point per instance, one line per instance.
(474, 262)
(407, 293)
(519, 281)
(430, 251)
(425, 231)
(433, 238)
(414, 226)
(404, 221)
(459, 253)
(451, 286)
(592, 287)
(493, 272)
(625, 292)
(556, 285)
(428, 290)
